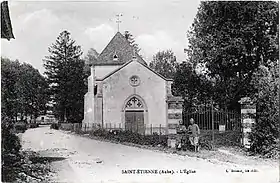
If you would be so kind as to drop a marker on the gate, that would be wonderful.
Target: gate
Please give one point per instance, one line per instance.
(224, 120)
(222, 125)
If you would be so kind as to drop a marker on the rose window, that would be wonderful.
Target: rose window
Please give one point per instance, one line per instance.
(134, 80)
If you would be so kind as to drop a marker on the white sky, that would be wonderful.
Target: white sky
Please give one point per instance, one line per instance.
(156, 25)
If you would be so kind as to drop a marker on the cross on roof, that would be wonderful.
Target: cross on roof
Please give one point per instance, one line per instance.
(118, 21)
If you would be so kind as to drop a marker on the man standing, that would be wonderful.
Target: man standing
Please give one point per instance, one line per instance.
(194, 132)
(181, 130)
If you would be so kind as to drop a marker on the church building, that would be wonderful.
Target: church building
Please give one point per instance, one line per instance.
(124, 93)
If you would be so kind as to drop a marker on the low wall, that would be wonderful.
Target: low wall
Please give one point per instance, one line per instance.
(149, 129)
(70, 126)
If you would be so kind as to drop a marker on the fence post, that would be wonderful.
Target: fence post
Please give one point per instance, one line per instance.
(144, 129)
(151, 129)
(212, 110)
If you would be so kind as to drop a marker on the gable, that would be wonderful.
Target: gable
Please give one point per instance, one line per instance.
(143, 65)
(120, 47)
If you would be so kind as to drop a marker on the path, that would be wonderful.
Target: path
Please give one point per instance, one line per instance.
(88, 160)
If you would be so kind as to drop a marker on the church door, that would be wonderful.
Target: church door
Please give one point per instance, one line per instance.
(134, 116)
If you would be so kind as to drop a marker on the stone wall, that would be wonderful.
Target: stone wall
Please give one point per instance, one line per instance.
(248, 119)
(175, 107)
(117, 89)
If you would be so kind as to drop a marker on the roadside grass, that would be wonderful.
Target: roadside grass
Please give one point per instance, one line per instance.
(226, 147)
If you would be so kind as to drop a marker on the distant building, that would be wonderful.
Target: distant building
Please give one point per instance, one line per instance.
(123, 92)
(47, 118)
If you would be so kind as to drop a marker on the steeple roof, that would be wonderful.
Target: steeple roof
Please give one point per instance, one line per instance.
(117, 52)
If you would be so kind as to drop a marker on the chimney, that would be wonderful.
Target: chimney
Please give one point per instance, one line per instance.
(134, 58)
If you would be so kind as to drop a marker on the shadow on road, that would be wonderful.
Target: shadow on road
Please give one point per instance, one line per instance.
(46, 159)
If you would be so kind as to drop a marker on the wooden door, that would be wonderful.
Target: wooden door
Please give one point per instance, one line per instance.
(134, 121)
(129, 118)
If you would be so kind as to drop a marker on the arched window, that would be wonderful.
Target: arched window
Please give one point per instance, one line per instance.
(134, 103)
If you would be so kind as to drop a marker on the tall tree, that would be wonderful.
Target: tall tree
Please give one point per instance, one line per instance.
(191, 85)
(32, 92)
(266, 132)
(64, 70)
(90, 58)
(24, 90)
(165, 63)
(130, 38)
(232, 38)
(9, 77)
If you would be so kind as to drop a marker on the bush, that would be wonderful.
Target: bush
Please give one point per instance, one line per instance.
(128, 136)
(20, 127)
(54, 126)
(266, 132)
(9, 151)
(33, 125)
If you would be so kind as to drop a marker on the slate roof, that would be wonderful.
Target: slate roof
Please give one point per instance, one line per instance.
(6, 25)
(117, 46)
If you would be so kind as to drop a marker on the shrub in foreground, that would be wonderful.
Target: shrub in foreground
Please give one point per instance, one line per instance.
(265, 135)
(10, 156)
(128, 136)
(54, 126)
(33, 125)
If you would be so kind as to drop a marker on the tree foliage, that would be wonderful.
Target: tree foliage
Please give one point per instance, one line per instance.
(10, 150)
(130, 38)
(237, 43)
(65, 75)
(266, 131)
(192, 86)
(165, 63)
(232, 38)
(90, 58)
(24, 90)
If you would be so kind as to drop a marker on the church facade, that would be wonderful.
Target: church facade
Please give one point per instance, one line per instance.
(123, 92)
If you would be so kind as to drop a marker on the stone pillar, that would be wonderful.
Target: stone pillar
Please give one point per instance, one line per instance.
(92, 71)
(89, 102)
(175, 108)
(248, 119)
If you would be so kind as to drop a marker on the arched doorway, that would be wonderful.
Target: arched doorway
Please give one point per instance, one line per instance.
(134, 112)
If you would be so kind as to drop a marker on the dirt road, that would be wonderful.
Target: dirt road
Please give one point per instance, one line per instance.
(88, 160)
